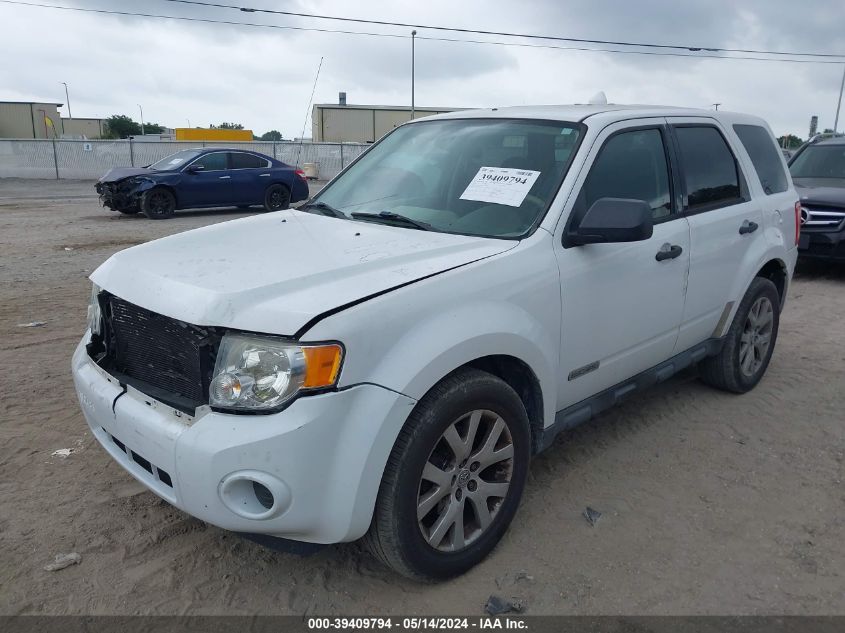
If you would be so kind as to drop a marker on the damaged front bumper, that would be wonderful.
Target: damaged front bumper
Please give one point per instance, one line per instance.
(122, 195)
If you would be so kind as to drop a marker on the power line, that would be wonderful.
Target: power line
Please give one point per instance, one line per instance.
(419, 37)
(710, 49)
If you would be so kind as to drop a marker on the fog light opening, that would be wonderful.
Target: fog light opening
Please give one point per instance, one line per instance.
(255, 495)
(263, 494)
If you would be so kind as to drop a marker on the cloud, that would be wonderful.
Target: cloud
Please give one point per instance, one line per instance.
(263, 77)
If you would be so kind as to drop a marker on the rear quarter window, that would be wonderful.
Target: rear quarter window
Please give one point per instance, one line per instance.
(765, 156)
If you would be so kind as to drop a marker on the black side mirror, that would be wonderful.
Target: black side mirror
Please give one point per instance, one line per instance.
(613, 220)
(192, 169)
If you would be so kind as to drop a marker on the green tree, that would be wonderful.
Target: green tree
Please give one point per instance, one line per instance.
(227, 126)
(121, 126)
(790, 141)
(272, 135)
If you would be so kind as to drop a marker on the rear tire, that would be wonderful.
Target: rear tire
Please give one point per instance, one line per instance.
(158, 203)
(454, 479)
(749, 343)
(276, 198)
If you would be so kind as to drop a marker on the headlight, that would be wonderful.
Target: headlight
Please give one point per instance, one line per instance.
(255, 373)
(95, 315)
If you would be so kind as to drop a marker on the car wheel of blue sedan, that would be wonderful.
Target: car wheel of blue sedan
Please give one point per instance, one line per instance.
(276, 198)
(158, 203)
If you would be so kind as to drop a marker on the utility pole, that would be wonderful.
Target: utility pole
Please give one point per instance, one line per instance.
(142, 119)
(413, 108)
(839, 103)
(67, 98)
(716, 105)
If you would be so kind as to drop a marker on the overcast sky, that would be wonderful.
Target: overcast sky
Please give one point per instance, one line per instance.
(263, 77)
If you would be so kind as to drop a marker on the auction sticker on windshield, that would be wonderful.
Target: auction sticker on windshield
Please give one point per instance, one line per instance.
(500, 185)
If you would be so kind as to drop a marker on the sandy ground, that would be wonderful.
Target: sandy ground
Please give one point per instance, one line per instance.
(712, 503)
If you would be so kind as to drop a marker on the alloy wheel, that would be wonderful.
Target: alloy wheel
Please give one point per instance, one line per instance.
(756, 336)
(465, 480)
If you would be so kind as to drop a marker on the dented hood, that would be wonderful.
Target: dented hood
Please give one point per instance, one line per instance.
(119, 173)
(274, 273)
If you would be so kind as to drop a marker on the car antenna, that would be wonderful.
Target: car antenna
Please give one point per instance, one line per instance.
(598, 99)
(307, 112)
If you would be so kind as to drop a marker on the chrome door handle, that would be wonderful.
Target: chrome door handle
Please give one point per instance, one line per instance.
(225, 177)
(747, 227)
(668, 251)
(263, 175)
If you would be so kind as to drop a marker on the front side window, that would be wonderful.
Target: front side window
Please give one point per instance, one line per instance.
(820, 161)
(212, 162)
(242, 160)
(630, 165)
(711, 174)
(487, 177)
(765, 156)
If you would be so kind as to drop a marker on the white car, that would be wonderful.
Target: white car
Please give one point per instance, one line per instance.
(384, 361)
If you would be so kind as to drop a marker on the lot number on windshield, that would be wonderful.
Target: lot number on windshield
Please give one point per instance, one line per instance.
(500, 185)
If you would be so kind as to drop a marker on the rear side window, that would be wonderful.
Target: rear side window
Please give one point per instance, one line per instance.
(241, 160)
(711, 174)
(765, 155)
(631, 165)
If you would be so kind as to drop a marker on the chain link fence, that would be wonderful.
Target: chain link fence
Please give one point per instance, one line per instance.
(61, 158)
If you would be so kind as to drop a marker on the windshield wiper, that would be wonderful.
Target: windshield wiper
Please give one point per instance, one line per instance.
(391, 217)
(324, 209)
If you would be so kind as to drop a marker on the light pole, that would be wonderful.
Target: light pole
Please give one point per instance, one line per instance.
(189, 123)
(839, 103)
(67, 98)
(413, 109)
(142, 119)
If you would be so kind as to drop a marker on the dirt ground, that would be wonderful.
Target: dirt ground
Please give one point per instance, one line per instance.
(711, 503)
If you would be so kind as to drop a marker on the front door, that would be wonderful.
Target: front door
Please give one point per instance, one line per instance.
(210, 185)
(622, 303)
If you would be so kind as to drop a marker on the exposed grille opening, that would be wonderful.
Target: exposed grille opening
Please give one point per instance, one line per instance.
(143, 463)
(120, 444)
(167, 359)
(155, 471)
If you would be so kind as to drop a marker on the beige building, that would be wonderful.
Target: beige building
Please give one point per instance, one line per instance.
(341, 123)
(20, 119)
(88, 128)
(24, 119)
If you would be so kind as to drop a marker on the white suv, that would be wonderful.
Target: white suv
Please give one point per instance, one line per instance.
(384, 361)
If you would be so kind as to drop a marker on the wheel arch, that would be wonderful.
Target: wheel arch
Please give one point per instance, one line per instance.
(161, 185)
(776, 271)
(517, 374)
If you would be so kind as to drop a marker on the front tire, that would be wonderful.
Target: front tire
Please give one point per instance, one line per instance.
(749, 343)
(158, 203)
(276, 198)
(454, 479)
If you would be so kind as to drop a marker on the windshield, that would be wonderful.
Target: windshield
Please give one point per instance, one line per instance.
(175, 161)
(820, 161)
(487, 177)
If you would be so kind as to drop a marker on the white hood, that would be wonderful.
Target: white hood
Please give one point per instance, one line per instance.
(273, 273)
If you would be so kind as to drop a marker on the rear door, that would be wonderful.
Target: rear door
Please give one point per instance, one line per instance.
(210, 186)
(250, 177)
(622, 303)
(724, 223)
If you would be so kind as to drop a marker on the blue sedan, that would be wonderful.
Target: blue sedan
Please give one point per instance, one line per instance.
(202, 178)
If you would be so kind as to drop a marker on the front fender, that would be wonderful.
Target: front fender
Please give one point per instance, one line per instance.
(410, 339)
